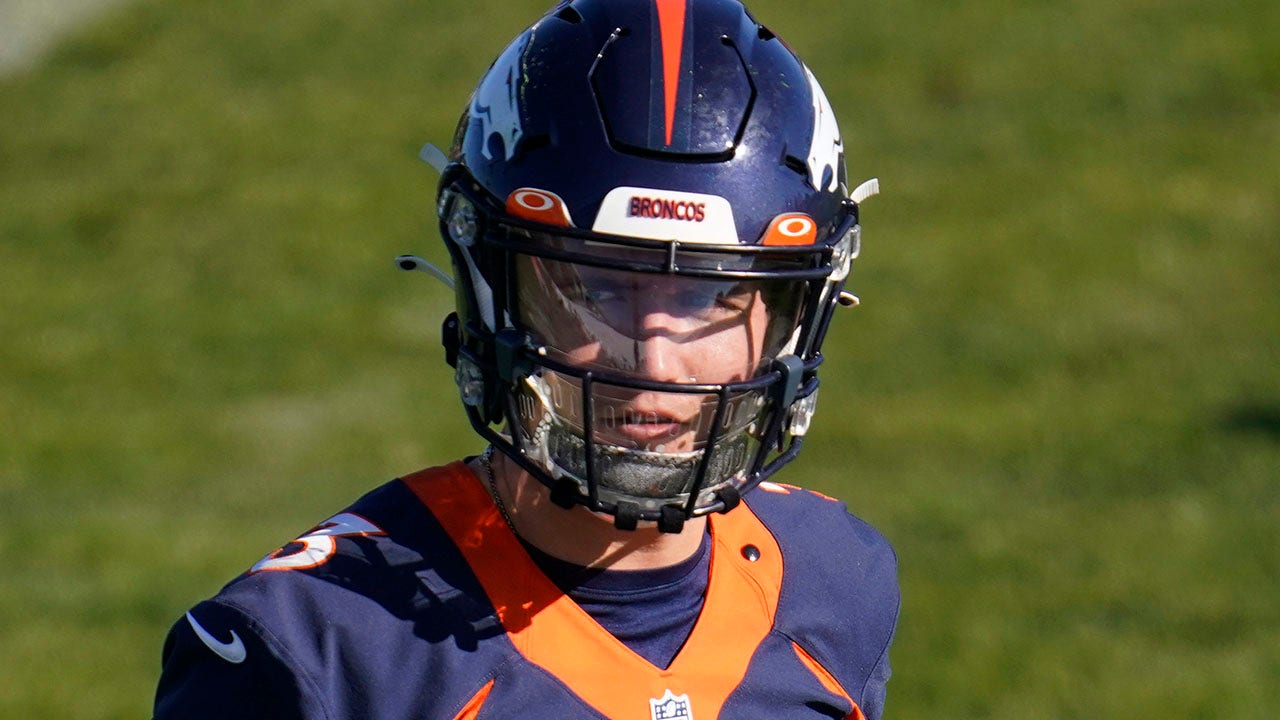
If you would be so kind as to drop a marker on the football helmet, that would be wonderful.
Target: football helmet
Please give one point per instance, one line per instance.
(646, 208)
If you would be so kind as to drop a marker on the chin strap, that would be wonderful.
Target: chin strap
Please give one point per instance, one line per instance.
(433, 156)
(410, 263)
(865, 190)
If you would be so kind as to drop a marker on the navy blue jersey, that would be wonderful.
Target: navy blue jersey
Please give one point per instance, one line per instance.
(419, 602)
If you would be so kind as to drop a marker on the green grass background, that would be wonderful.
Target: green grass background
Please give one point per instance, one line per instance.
(1060, 399)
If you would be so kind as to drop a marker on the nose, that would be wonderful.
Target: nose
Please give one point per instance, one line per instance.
(659, 353)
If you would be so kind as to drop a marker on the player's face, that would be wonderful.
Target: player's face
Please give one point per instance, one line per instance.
(649, 326)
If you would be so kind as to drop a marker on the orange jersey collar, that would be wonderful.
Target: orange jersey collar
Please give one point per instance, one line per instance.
(553, 632)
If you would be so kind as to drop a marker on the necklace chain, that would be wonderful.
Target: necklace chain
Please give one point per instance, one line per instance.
(487, 457)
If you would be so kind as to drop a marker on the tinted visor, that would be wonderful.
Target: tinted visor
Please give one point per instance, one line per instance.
(656, 326)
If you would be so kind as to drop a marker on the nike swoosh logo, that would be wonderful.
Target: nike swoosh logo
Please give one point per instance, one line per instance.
(233, 651)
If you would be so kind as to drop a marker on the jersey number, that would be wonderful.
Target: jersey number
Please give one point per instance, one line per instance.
(318, 545)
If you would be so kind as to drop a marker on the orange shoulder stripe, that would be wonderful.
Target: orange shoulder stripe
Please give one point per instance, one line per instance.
(471, 710)
(828, 680)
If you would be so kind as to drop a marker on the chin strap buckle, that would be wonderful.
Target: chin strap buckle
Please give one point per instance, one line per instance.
(507, 344)
(791, 367)
(451, 339)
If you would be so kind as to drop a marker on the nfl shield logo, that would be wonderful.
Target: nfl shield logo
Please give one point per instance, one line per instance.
(670, 707)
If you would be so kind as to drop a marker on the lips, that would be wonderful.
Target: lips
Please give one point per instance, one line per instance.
(649, 427)
(645, 420)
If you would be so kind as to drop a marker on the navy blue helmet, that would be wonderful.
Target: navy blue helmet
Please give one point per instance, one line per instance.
(647, 211)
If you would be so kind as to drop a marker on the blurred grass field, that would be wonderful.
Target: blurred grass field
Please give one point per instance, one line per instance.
(1060, 399)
